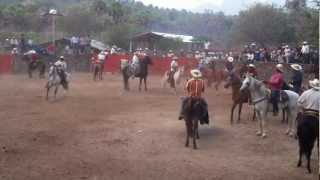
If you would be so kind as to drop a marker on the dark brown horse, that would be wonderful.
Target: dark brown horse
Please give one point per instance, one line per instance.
(193, 113)
(128, 71)
(238, 97)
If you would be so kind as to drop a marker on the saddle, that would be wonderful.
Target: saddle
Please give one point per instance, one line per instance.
(283, 97)
(190, 103)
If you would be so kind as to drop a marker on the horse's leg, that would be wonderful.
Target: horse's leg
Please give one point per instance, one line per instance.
(258, 113)
(232, 110)
(195, 132)
(55, 92)
(300, 157)
(188, 131)
(48, 89)
(239, 115)
(140, 82)
(283, 115)
(145, 83)
(254, 115)
(263, 124)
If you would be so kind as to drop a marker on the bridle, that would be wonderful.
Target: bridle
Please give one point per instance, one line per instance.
(257, 101)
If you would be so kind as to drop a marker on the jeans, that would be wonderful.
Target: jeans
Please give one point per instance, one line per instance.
(275, 95)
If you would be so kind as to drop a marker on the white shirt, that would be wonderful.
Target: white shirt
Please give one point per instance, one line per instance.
(173, 65)
(310, 99)
(101, 56)
(305, 49)
(287, 52)
(135, 59)
(61, 64)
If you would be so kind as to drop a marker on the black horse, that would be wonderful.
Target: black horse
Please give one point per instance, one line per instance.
(128, 72)
(33, 65)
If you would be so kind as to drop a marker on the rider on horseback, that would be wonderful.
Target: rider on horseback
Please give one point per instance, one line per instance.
(62, 70)
(229, 64)
(252, 70)
(195, 87)
(135, 64)
(173, 69)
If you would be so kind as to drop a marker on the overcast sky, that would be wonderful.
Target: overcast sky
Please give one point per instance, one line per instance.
(227, 6)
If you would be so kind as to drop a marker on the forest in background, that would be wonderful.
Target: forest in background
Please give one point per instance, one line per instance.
(116, 21)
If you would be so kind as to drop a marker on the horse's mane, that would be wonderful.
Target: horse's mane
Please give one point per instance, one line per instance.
(259, 85)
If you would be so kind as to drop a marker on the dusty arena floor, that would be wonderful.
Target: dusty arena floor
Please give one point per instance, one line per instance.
(97, 132)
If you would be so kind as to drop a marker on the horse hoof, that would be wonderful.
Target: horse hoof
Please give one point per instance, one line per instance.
(195, 147)
(292, 135)
(288, 132)
(259, 133)
(264, 135)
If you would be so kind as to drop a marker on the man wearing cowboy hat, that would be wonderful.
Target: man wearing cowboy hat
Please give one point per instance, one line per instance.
(195, 87)
(310, 99)
(229, 64)
(297, 78)
(62, 70)
(305, 50)
(276, 83)
(252, 70)
(173, 69)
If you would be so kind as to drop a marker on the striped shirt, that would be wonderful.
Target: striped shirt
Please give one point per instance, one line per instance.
(195, 87)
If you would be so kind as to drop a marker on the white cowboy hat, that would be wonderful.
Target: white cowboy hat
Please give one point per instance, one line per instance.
(305, 42)
(279, 67)
(296, 67)
(315, 84)
(61, 57)
(252, 65)
(230, 59)
(196, 73)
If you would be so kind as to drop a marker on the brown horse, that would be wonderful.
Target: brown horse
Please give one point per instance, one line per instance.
(238, 97)
(193, 113)
(97, 71)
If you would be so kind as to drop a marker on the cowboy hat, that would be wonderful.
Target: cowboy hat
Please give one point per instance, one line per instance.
(175, 58)
(315, 84)
(252, 65)
(296, 67)
(196, 73)
(230, 59)
(279, 67)
(62, 57)
(305, 42)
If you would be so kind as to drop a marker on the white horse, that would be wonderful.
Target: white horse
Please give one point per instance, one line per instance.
(260, 97)
(177, 77)
(55, 81)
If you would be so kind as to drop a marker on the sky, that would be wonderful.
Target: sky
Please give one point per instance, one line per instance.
(229, 7)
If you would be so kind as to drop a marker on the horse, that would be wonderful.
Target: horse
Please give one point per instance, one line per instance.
(176, 78)
(97, 71)
(33, 65)
(128, 71)
(260, 99)
(54, 81)
(193, 114)
(238, 97)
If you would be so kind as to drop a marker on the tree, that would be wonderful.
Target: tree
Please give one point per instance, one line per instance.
(264, 24)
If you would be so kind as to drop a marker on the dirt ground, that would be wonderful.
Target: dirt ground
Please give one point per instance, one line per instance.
(97, 132)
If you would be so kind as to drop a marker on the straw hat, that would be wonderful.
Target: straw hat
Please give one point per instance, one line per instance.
(315, 84)
(252, 65)
(305, 42)
(296, 67)
(230, 59)
(279, 67)
(196, 73)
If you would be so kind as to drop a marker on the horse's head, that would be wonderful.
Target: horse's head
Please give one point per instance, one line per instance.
(246, 83)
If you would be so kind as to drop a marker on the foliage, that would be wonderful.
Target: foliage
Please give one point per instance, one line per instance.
(117, 20)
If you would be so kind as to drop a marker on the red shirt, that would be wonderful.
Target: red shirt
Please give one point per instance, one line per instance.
(276, 81)
(195, 87)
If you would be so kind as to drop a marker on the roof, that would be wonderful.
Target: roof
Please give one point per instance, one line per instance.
(160, 35)
(184, 38)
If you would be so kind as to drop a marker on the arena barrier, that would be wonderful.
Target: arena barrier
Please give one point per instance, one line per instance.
(6, 63)
(159, 66)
